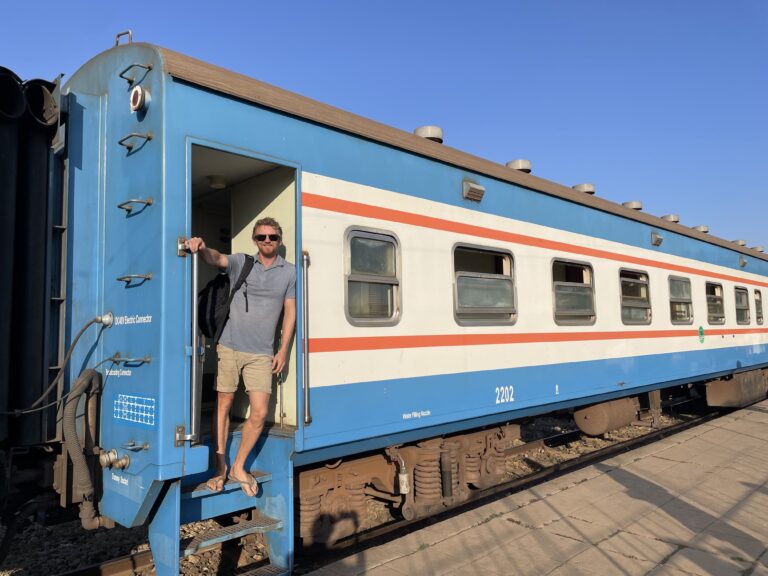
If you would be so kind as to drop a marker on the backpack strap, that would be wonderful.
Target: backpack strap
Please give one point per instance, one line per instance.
(247, 267)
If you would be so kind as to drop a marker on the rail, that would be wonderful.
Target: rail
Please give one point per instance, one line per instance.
(195, 385)
(305, 334)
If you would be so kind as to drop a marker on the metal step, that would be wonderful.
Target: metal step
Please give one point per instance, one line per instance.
(260, 524)
(201, 490)
(266, 570)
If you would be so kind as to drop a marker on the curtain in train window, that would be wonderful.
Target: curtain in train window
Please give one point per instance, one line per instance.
(635, 300)
(715, 308)
(484, 288)
(759, 306)
(574, 292)
(680, 302)
(742, 306)
(372, 277)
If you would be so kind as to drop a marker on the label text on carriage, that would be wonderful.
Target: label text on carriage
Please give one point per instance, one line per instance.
(133, 319)
(416, 414)
(120, 479)
(119, 372)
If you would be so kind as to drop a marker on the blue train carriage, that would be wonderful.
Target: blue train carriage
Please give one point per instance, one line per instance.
(441, 296)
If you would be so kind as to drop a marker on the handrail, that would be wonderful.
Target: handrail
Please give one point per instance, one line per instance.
(305, 333)
(195, 384)
(195, 400)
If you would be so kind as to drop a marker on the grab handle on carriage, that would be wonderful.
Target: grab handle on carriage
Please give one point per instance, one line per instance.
(305, 333)
(196, 388)
(195, 398)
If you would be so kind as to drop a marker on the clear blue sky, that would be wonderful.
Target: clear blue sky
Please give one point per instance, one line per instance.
(663, 101)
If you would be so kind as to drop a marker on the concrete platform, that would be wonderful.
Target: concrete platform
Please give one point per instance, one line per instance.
(694, 503)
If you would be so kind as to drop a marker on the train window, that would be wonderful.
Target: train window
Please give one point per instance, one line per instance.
(635, 300)
(759, 306)
(574, 292)
(680, 302)
(742, 306)
(373, 278)
(715, 308)
(484, 290)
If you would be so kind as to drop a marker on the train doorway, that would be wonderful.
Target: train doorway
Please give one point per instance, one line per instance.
(230, 192)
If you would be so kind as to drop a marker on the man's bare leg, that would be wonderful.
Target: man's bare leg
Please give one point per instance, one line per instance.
(259, 402)
(221, 432)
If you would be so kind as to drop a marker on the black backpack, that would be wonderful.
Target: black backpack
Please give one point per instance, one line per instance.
(214, 300)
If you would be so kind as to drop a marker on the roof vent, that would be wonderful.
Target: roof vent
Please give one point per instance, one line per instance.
(586, 188)
(758, 248)
(702, 228)
(633, 204)
(434, 133)
(740, 242)
(520, 165)
(671, 218)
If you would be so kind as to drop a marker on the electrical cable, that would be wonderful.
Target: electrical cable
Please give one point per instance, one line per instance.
(51, 386)
(52, 403)
(106, 320)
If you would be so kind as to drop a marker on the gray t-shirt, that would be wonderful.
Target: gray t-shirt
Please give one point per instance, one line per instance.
(262, 293)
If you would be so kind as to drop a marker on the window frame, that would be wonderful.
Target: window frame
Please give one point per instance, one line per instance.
(397, 283)
(623, 304)
(464, 321)
(561, 322)
(680, 300)
(758, 309)
(736, 290)
(722, 301)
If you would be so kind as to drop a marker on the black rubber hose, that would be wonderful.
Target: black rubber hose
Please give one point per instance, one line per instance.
(89, 379)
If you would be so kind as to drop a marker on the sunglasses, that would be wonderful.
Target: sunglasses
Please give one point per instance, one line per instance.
(262, 237)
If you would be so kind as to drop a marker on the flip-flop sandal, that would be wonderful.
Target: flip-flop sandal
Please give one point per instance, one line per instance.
(216, 484)
(249, 485)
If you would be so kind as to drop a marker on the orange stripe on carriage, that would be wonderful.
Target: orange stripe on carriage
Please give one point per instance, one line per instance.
(317, 345)
(310, 200)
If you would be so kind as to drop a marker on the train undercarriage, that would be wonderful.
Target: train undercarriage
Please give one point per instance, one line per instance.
(430, 476)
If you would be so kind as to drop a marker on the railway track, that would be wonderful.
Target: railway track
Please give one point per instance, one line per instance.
(385, 532)
(140, 563)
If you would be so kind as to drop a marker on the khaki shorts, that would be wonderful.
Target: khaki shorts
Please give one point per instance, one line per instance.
(256, 370)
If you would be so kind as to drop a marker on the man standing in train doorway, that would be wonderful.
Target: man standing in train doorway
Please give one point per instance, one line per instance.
(246, 346)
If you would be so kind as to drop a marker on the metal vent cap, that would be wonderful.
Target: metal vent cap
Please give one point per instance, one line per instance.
(521, 165)
(633, 204)
(587, 188)
(702, 228)
(434, 133)
(671, 218)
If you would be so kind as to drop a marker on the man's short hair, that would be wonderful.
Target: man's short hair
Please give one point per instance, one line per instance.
(268, 221)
